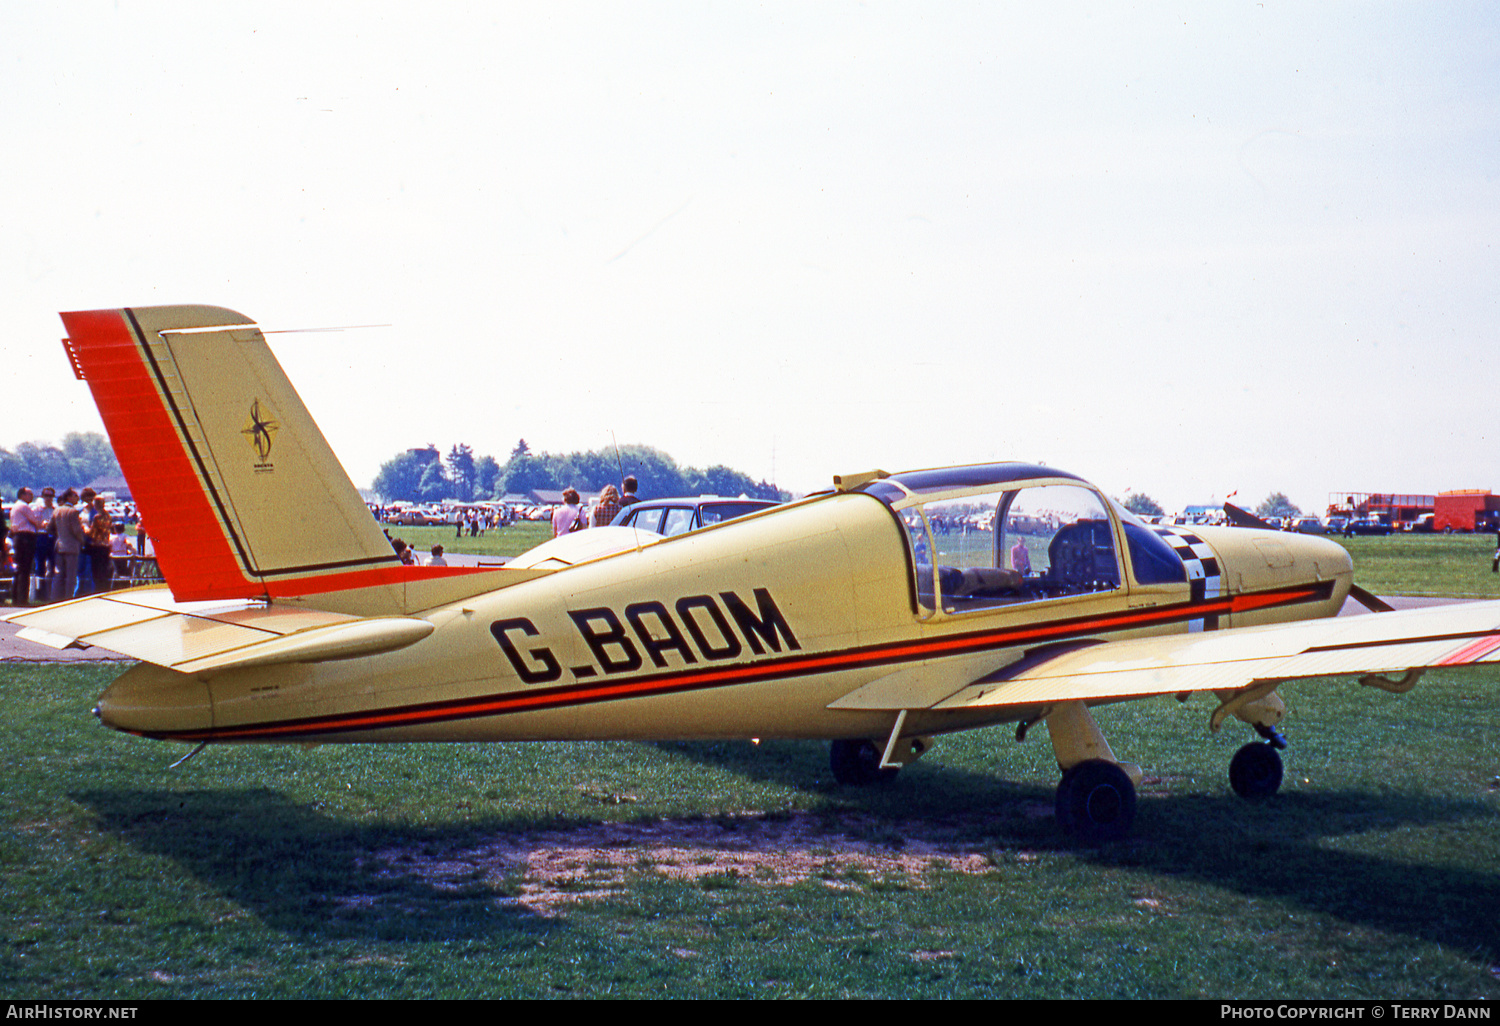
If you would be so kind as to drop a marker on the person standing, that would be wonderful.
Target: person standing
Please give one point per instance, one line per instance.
(100, 567)
(85, 507)
(67, 529)
(1020, 558)
(24, 526)
(568, 517)
(46, 565)
(606, 508)
(119, 551)
(630, 498)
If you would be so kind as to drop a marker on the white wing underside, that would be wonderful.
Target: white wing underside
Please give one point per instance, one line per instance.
(1454, 635)
(1221, 661)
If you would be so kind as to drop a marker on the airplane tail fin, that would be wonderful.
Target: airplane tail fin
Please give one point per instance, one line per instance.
(240, 493)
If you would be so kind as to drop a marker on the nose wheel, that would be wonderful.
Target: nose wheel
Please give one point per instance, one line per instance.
(1255, 771)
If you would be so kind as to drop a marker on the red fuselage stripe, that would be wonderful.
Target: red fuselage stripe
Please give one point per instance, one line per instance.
(766, 669)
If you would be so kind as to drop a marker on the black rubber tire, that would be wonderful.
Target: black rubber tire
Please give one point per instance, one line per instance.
(857, 764)
(1096, 802)
(1255, 771)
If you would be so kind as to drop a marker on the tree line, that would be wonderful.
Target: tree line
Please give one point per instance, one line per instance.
(1276, 505)
(82, 457)
(426, 475)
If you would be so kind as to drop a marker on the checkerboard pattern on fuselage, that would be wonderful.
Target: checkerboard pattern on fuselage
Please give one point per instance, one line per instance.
(1204, 575)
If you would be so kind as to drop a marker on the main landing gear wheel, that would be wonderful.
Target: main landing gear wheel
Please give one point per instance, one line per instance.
(1095, 802)
(1255, 771)
(857, 763)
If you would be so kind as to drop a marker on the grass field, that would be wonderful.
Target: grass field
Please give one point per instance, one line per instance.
(498, 544)
(737, 870)
(1456, 565)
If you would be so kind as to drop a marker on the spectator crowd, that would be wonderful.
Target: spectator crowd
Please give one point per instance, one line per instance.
(58, 547)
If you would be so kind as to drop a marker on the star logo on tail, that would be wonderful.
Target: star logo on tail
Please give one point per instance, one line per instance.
(260, 431)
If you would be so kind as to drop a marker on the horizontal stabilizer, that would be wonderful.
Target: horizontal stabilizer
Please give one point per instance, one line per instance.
(209, 637)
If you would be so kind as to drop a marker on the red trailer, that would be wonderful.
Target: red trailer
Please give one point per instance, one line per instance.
(1471, 510)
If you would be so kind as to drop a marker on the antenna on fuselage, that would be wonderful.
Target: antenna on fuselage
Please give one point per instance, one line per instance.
(620, 466)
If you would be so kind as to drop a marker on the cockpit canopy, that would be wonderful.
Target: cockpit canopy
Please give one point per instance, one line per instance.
(1002, 534)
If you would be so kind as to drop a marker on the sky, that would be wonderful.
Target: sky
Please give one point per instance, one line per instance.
(1193, 250)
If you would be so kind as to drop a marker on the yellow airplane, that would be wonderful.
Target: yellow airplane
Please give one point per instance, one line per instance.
(888, 610)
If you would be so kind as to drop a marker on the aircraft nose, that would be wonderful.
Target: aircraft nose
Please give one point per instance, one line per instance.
(1286, 558)
(154, 701)
(1261, 562)
(1324, 557)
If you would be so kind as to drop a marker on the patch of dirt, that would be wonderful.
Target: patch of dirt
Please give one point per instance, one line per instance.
(559, 868)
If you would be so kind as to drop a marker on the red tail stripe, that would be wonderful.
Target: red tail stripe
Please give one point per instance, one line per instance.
(190, 543)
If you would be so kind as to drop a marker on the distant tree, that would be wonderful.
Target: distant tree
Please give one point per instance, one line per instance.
(420, 475)
(524, 473)
(44, 465)
(90, 455)
(1277, 505)
(588, 471)
(486, 477)
(83, 457)
(435, 485)
(1143, 505)
(12, 473)
(400, 478)
(659, 475)
(721, 480)
(461, 471)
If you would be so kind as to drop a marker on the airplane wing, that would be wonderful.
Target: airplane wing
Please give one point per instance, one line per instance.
(211, 636)
(1231, 660)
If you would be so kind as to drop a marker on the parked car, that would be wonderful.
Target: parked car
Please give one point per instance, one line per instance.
(1367, 525)
(1308, 525)
(676, 516)
(415, 516)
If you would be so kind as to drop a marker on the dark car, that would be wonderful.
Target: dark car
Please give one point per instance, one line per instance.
(675, 516)
(1366, 525)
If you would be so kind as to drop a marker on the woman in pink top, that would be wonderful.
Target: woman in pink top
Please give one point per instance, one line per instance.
(568, 517)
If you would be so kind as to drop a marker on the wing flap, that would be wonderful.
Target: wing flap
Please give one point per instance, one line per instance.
(1455, 635)
(919, 686)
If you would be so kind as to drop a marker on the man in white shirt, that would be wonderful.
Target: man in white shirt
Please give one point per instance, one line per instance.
(46, 563)
(24, 526)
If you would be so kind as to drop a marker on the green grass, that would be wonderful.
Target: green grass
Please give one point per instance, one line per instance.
(503, 542)
(363, 871)
(1457, 565)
